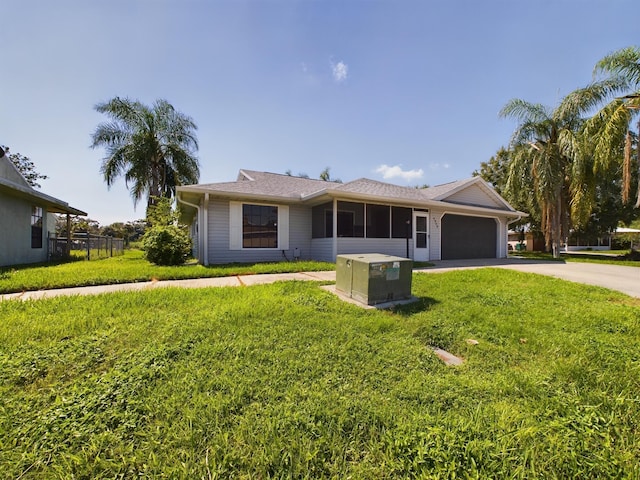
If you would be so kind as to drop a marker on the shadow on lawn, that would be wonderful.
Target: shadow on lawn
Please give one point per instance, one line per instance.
(422, 304)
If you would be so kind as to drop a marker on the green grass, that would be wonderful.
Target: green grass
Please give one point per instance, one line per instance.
(131, 267)
(286, 381)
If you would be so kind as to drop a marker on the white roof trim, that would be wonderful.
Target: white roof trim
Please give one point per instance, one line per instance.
(482, 184)
(246, 175)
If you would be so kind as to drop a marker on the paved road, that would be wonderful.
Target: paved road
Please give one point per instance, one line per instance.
(616, 277)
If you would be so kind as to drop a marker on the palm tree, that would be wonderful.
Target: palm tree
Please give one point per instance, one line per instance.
(548, 161)
(152, 147)
(611, 126)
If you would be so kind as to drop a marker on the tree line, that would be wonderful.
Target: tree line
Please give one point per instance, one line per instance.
(575, 167)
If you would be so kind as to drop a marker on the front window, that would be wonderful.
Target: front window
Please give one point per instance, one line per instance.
(36, 227)
(259, 226)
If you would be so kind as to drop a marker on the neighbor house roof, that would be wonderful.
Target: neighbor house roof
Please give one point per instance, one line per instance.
(13, 183)
(261, 184)
(274, 186)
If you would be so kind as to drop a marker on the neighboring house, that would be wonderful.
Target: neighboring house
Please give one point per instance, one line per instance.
(271, 217)
(603, 242)
(26, 217)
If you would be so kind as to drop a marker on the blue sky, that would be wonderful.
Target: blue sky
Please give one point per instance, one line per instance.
(401, 91)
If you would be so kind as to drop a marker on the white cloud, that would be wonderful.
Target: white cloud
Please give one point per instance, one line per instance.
(340, 71)
(397, 172)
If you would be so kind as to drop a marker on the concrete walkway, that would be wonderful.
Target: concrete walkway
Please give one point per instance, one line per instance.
(615, 277)
(237, 281)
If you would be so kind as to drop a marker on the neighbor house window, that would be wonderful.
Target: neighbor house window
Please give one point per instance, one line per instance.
(36, 227)
(259, 226)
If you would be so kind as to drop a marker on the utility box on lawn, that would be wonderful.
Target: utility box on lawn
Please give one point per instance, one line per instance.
(373, 278)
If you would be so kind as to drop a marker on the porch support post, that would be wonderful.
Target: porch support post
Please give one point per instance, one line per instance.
(67, 248)
(335, 229)
(205, 229)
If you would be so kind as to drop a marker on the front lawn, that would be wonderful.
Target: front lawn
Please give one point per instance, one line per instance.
(131, 267)
(287, 381)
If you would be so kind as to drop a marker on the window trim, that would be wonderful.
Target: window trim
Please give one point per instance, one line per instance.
(236, 227)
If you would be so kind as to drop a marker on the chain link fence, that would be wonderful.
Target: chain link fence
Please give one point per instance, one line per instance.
(87, 246)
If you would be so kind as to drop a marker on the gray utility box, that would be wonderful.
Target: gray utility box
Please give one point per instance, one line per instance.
(374, 278)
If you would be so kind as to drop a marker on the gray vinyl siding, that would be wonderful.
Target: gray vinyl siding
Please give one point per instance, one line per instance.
(218, 237)
(15, 232)
(300, 232)
(435, 234)
(322, 249)
(474, 195)
(387, 246)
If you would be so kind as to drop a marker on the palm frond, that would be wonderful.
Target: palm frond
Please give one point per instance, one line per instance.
(586, 99)
(153, 148)
(524, 111)
(624, 62)
(606, 129)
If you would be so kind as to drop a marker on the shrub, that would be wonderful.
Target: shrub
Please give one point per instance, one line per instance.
(166, 245)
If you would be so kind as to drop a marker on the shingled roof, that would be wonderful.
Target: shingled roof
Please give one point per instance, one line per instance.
(365, 186)
(14, 184)
(255, 184)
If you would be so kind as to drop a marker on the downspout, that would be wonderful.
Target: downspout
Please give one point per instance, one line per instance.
(197, 207)
(205, 233)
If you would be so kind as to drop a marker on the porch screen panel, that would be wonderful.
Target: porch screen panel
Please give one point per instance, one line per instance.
(350, 219)
(321, 227)
(378, 221)
(401, 224)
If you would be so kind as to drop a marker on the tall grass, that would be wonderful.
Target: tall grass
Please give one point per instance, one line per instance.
(286, 381)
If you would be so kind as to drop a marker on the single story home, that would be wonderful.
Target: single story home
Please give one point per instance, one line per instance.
(270, 217)
(576, 243)
(26, 217)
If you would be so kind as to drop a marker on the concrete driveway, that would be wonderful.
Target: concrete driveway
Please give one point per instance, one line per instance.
(616, 277)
